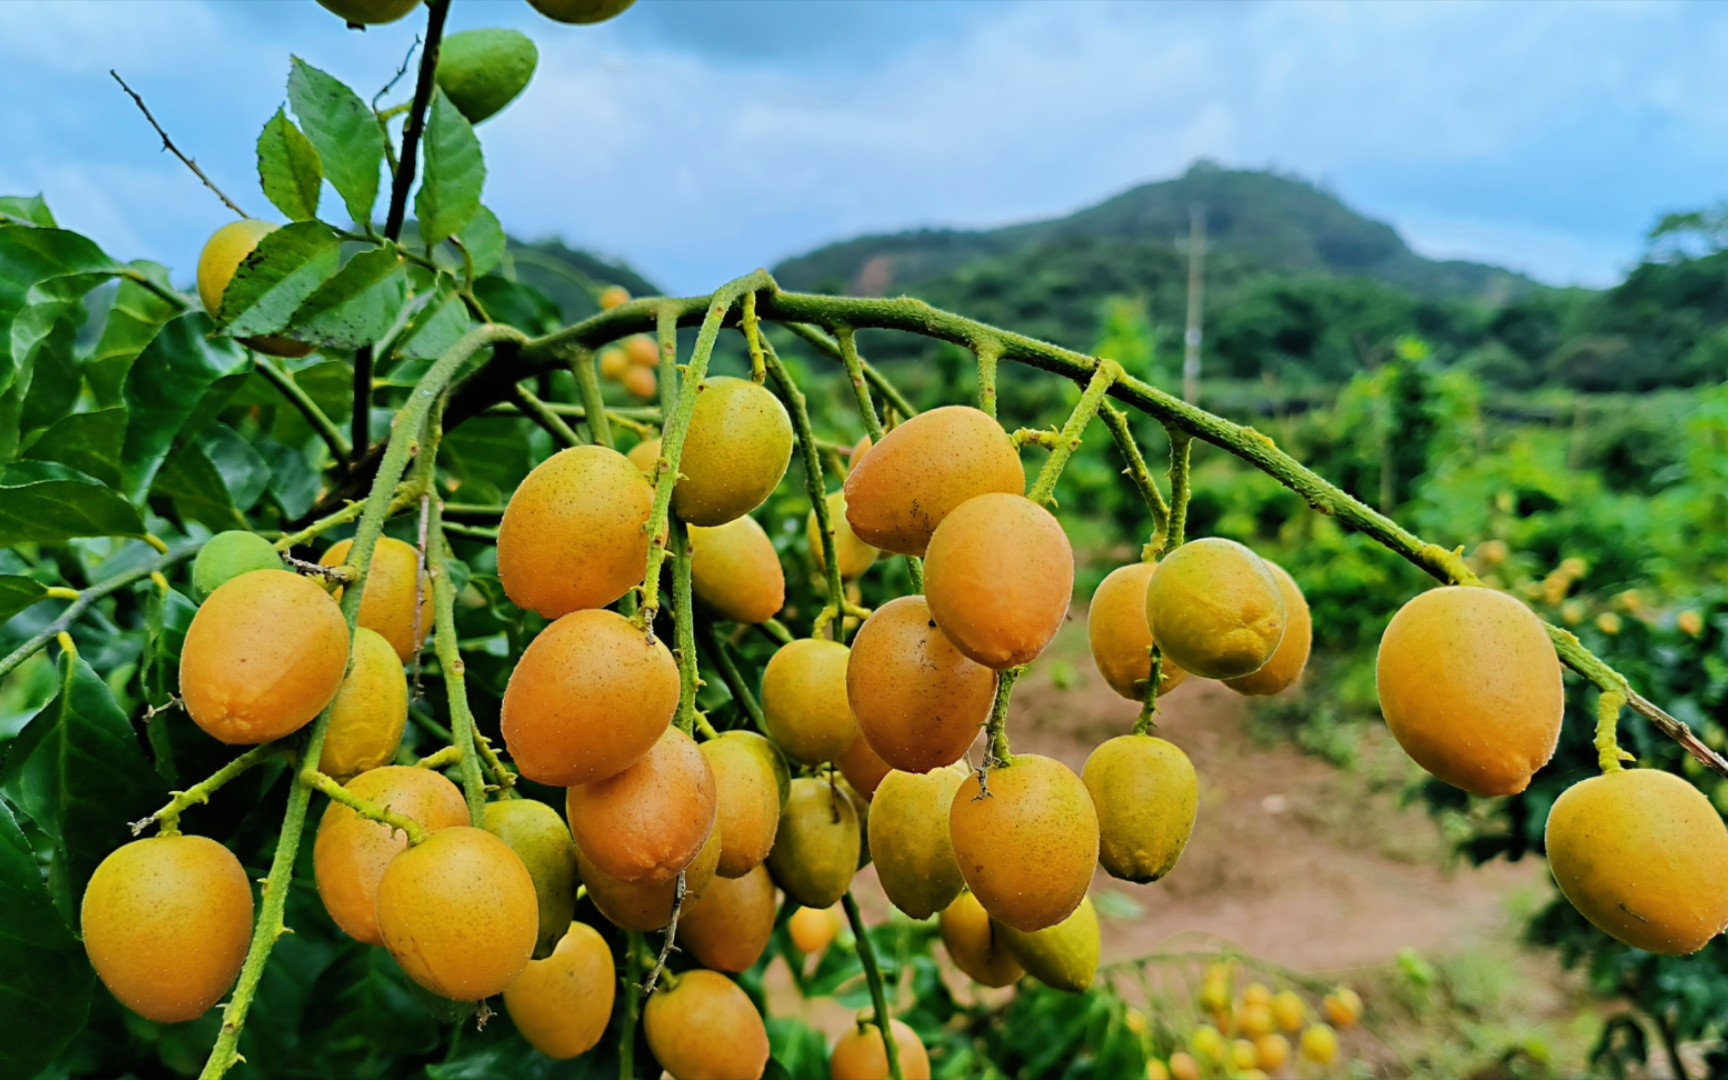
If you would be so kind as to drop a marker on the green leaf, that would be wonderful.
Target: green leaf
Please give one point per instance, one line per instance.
(437, 326)
(289, 168)
(45, 982)
(89, 442)
(18, 593)
(29, 209)
(293, 483)
(47, 503)
(45, 339)
(137, 314)
(455, 171)
(485, 241)
(42, 265)
(197, 488)
(345, 133)
(175, 386)
(357, 306)
(284, 269)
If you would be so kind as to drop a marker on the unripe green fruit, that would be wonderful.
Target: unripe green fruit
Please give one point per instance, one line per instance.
(816, 851)
(1064, 956)
(227, 555)
(582, 12)
(539, 837)
(370, 12)
(481, 71)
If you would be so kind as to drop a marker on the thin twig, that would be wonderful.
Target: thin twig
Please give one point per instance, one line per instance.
(667, 944)
(873, 977)
(168, 145)
(321, 423)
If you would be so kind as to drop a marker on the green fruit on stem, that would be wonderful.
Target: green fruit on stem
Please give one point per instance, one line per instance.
(370, 12)
(817, 849)
(581, 12)
(481, 71)
(227, 555)
(537, 834)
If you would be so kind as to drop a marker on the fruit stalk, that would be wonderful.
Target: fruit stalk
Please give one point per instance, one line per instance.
(322, 424)
(1135, 469)
(989, 355)
(814, 485)
(873, 976)
(1608, 753)
(1181, 446)
(451, 666)
(593, 405)
(684, 612)
(996, 752)
(322, 782)
(1144, 724)
(536, 410)
(199, 793)
(752, 327)
(1044, 489)
(854, 364)
(666, 332)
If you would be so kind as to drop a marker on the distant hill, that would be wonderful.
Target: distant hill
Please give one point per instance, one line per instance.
(571, 278)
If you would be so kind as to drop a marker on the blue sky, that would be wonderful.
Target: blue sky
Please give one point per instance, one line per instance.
(700, 138)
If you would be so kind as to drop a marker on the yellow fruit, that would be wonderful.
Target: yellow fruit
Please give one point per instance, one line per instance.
(1157, 1070)
(1184, 1067)
(647, 905)
(351, 853)
(910, 842)
(898, 493)
(612, 295)
(1028, 849)
(998, 576)
(642, 350)
(735, 451)
(705, 1028)
(166, 922)
(263, 656)
(539, 837)
(1690, 623)
(812, 929)
(589, 697)
(482, 71)
(640, 382)
(370, 711)
(1121, 637)
(1215, 992)
(1242, 1054)
(563, 1003)
(1643, 855)
(370, 12)
(735, 571)
(816, 851)
(1215, 609)
(977, 945)
(1271, 1052)
(855, 555)
(1064, 956)
(575, 533)
(226, 556)
(918, 700)
(220, 261)
(1609, 623)
(645, 455)
(1492, 552)
(860, 765)
(1287, 663)
(1254, 1019)
(387, 605)
(861, 1055)
(1318, 1044)
(614, 362)
(1470, 686)
(1147, 795)
(750, 784)
(1257, 994)
(804, 700)
(1289, 1011)
(728, 926)
(1209, 1044)
(651, 820)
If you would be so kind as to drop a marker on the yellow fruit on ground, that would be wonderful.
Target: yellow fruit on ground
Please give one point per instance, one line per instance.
(575, 532)
(728, 926)
(855, 555)
(1209, 1044)
(387, 605)
(651, 820)
(589, 697)
(1470, 686)
(918, 700)
(910, 843)
(1271, 1052)
(263, 656)
(734, 571)
(804, 700)
(736, 450)
(1643, 855)
(613, 363)
(816, 851)
(1147, 796)
(572, 11)
(860, 765)
(1289, 1011)
(860, 1054)
(1028, 849)
(1184, 1067)
(998, 576)
(642, 350)
(705, 1028)
(977, 945)
(907, 484)
(563, 1003)
(750, 786)
(645, 455)
(1121, 637)
(1215, 609)
(1254, 1019)
(166, 922)
(1215, 992)
(220, 261)
(351, 853)
(370, 711)
(640, 382)
(370, 12)
(1064, 956)
(539, 837)
(647, 905)
(812, 929)
(1318, 1044)
(1287, 663)
(1343, 1007)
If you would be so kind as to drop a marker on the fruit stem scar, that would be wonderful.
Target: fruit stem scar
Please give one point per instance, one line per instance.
(1609, 756)
(1068, 440)
(318, 781)
(873, 976)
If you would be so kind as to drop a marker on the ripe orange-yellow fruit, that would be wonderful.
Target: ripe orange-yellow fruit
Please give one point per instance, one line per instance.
(1209, 1044)
(1470, 686)
(1121, 637)
(735, 451)
(977, 945)
(458, 913)
(998, 576)
(642, 350)
(387, 605)
(910, 843)
(816, 851)
(918, 700)
(705, 1028)
(728, 927)
(370, 711)
(351, 853)
(263, 656)
(613, 363)
(1147, 796)
(735, 571)
(1242, 1055)
(1643, 855)
(1289, 1011)
(860, 1054)
(648, 822)
(804, 700)
(647, 905)
(589, 697)
(812, 929)
(166, 922)
(1064, 956)
(1028, 849)
(860, 765)
(1287, 663)
(907, 484)
(640, 382)
(1254, 1019)
(370, 12)
(1184, 1067)
(1271, 1052)
(1343, 1007)
(855, 555)
(539, 837)
(750, 785)
(220, 261)
(612, 295)
(563, 1003)
(1318, 1044)
(1215, 609)
(1690, 623)
(1257, 994)
(575, 533)
(1157, 1070)
(645, 455)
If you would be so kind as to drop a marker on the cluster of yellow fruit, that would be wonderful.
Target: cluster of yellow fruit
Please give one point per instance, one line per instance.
(1250, 1036)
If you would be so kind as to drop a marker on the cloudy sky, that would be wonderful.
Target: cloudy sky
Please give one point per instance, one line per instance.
(700, 138)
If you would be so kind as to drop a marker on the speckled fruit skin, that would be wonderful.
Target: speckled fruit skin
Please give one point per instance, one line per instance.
(166, 922)
(539, 837)
(735, 572)
(647, 905)
(976, 945)
(860, 765)
(226, 556)
(1147, 795)
(1470, 685)
(1064, 956)
(563, 1003)
(370, 711)
(816, 852)
(705, 1028)
(906, 485)
(458, 913)
(1643, 855)
(648, 822)
(735, 452)
(1215, 609)
(1028, 850)
(583, 12)
(998, 576)
(855, 555)
(1121, 636)
(645, 455)
(220, 261)
(910, 843)
(804, 700)
(918, 700)
(1285, 667)
(387, 605)
(370, 12)
(750, 785)
(351, 853)
(588, 698)
(728, 928)
(859, 1053)
(263, 656)
(481, 71)
(575, 532)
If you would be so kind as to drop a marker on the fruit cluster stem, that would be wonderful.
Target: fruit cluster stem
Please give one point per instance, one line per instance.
(593, 405)
(854, 364)
(462, 724)
(873, 977)
(1146, 723)
(684, 615)
(1068, 440)
(199, 794)
(1609, 756)
(1134, 467)
(996, 752)
(814, 486)
(553, 424)
(989, 355)
(752, 327)
(1181, 487)
(721, 657)
(323, 782)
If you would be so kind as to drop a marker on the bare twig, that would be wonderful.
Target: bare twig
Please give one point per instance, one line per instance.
(168, 145)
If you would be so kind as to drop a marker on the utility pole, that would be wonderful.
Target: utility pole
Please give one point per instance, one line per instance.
(1196, 289)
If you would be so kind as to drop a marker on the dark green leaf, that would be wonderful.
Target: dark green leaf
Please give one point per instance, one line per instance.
(362, 1016)
(174, 387)
(197, 489)
(48, 503)
(45, 982)
(293, 483)
(454, 173)
(345, 133)
(30, 209)
(41, 265)
(289, 168)
(45, 337)
(137, 314)
(18, 593)
(284, 269)
(89, 442)
(799, 1048)
(357, 306)
(438, 325)
(484, 239)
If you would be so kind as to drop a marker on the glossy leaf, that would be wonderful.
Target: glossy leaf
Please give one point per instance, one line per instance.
(45, 502)
(18, 593)
(40, 265)
(137, 314)
(174, 387)
(284, 269)
(289, 168)
(437, 326)
(357, 306)
(485, 240)
(45, 982)
(344, 131)
(293, 483)
(454, 173)
(29, 209)
(89, 442)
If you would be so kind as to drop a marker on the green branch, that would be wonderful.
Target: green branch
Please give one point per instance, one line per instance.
(582, 366)
(314, 780)
(873, 976)
(1181, 487)
(752, 327)
(814, 486)
(535, 409)
(199, 794)
(684, 612)
(854, 364)
(462, 725)
(1044, 489)
(996, 751)
(1136, 470)
(989, 355)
